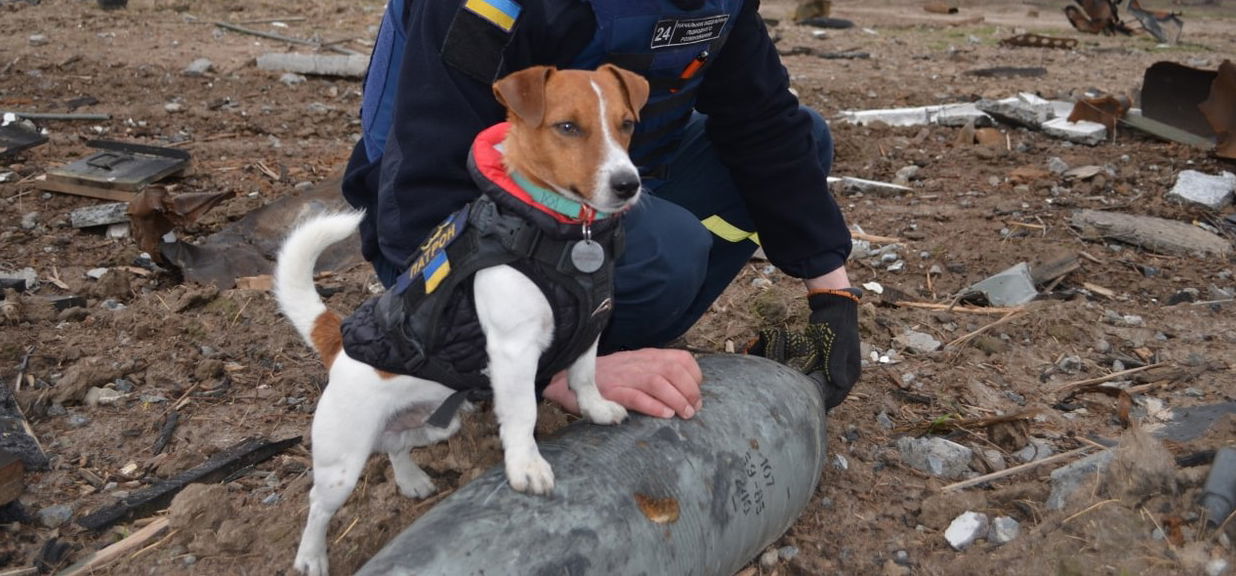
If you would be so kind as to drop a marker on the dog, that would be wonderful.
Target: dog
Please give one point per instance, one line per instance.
(568, 133)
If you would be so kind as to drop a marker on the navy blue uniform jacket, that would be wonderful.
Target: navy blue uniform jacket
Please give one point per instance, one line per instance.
(754, 122)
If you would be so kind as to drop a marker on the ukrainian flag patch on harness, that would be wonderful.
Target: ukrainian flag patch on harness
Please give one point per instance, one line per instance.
(500, 13)
(431, 265)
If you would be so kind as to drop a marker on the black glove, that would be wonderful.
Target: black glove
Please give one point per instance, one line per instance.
(827, 350)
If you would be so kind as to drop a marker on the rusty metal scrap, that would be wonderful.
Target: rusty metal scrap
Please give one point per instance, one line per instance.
(1039, 41)
(154, 213)
(1219, 108)
(1096, 17)
(1164, 26)
(1106, 110)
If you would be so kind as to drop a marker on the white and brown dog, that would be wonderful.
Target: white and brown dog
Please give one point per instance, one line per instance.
(569, 131)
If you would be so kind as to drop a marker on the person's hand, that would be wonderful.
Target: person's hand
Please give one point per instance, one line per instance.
(652, 381)
(827, 350)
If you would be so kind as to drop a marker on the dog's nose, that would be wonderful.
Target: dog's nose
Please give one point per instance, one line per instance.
(624, 184)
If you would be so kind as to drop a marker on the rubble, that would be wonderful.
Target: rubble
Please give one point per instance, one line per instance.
(1003, 530)
(850, 184)
(198, 67)
(1011, 287)
(1080, 132)
(965, 529)
(917, 342)
(344, 66)
(936, 456)
(99, 215)
(1068, 479)
(1025, 109)
(1214, 192)
(944, 115)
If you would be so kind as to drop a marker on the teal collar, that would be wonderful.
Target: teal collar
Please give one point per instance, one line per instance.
(552, 200)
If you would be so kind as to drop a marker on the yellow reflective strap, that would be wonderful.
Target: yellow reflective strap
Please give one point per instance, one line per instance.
(727, 231)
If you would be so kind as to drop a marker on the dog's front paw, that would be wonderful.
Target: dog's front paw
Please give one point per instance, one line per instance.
(604, 412)
(312, 563)
(530, 473)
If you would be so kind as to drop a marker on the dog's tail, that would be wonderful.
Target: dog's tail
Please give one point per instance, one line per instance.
(294, 290)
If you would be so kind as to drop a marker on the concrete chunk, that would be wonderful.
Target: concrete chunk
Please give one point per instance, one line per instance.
(351, 66)
(936, 456)
(99, 215)
(1067, 479)
(1012, 287)
(1003, 530)
(1214, 192)
(1080, 132)
(965, 529)
(943, 114)
(1026, 109)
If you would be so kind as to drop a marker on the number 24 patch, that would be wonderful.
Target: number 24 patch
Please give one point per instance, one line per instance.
(675, 32)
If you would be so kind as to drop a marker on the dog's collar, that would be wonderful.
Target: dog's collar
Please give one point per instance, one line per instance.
(557, 202)
(486, 156)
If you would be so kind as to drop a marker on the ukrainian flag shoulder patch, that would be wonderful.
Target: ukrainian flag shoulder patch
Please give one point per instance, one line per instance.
(500, 13)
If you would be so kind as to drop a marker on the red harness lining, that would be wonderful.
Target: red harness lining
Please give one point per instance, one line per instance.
(489, 162)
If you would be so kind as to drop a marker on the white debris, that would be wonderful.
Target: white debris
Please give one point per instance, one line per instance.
(1214, 192)
(1080, 132)
(1003, 530)
(965, 529)
(873, 287)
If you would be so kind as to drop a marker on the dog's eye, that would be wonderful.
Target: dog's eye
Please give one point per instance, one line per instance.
(567, 128)
(627, 126)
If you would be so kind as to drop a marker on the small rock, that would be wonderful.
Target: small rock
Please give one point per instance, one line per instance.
(77, 421)
(96, 396)
(965, 529)
(840, 462)
(173, 107)
(292, 79)
(1057, 166)
(54, 516)
(1102, 346)
(1036, 450)
(198, 67)
(38, 40)
(905, 175)
(1003, 530)
(29, 220)
(1070, 364)
(96, 273)
(112, 305)
(787, 553)
(1216, 567)
(994, 459)
(1067, 479)
(768, 560)
(936, 456)
(273, 498)
(896, 266)
(917, 342)
(884, 421)
(1214, 192)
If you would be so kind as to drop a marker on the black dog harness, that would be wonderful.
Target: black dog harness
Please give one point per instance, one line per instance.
(426, 324)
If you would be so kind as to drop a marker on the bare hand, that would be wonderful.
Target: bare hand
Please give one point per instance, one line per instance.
(652, 381)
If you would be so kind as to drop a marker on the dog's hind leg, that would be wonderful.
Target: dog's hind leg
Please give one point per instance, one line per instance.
(334, 477)
(581, 377)
(518, 326)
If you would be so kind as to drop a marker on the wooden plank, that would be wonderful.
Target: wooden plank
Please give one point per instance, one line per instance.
(43, 183)
(113, 552)
(1154, 234)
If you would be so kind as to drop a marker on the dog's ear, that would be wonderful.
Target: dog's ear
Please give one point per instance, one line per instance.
(634, 85)
(523, 93)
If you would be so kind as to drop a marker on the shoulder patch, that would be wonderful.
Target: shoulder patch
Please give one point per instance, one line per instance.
(430, 265)
(479, 32)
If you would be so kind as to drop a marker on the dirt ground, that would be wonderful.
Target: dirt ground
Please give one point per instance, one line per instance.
(231, 368)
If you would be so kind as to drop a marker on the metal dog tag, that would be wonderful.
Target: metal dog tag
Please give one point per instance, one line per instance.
(587, 256)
